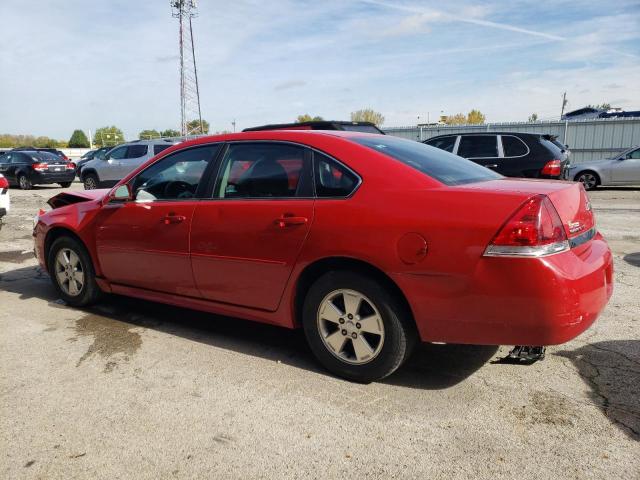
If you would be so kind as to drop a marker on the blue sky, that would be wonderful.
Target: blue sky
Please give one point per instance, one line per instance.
(85, 64)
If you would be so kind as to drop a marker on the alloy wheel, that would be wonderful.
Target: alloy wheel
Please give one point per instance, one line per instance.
(589, 180)
(24, 182)
(69, 272)
(89, 183)
(350, 326)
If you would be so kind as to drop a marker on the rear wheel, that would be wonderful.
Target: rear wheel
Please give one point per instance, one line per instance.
(24, 183)
(72, 273)
(65, 184)
(90, 181)
(590, 180)
(355, 327)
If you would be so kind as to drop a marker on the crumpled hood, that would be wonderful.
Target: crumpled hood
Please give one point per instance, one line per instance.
(69, 198)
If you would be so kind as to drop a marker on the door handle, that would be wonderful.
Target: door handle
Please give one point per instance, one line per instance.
(288, 220)
(493, 165)
(173, 218)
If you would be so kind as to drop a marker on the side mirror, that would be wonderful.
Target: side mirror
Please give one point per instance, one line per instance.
(121, 194)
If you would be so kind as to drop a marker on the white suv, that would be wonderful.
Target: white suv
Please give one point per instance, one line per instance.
(119, 161)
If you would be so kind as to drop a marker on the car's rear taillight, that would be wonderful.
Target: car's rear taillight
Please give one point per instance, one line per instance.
(40, 166)
(552, 168)
(535, 230)
(71, 166)
(4, 183)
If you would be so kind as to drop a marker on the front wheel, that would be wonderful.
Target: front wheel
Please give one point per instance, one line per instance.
(65, 184)
(588, 179)
(90, 181)
(72, 272)
(357, 328)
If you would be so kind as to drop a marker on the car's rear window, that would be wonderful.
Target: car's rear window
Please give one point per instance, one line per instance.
(44, 156)
(443, 166)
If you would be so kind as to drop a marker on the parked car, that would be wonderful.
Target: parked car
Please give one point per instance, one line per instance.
(623, 169)
(118, 162)
(5, 203)
(26, 168)
(525, 155)
(90, 155)
(369, 242)
(365, 127)
(55, 151)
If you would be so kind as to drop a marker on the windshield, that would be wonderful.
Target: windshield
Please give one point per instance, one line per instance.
(443, 166)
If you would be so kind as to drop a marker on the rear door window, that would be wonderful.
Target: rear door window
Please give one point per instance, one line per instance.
(136, 151)
(443, 143)
(443, 166)
(478, 146)
(159, 148)
(264, 170)
(118, 153)
(513, 146)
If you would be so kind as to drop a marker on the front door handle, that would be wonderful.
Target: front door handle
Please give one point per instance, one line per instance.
(173, 218)
(493, 165)
(288, 220)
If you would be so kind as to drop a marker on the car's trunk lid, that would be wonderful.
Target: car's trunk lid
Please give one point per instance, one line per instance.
(569, 199)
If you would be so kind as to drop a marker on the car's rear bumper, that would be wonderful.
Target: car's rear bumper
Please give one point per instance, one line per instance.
(514, 301)
(40, 178)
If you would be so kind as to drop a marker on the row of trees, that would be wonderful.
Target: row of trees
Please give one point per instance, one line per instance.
(364, 115)
(11, 141)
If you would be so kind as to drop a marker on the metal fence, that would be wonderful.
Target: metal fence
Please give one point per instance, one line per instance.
(587, 139)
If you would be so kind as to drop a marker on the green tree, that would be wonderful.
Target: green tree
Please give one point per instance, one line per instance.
(169, 132)
(308, 118)
(108, 136)
(475, 117)
(194, 126)
(367, 115)
(148, 134)
(78, 140)
(533, 117)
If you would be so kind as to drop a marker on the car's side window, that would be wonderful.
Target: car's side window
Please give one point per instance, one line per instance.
(478, 146)
(331, 178)
(6, 158)
(444, 143)
(159, 148)
(118, 153)
(264, 170)
(513, 146)
(635, 154)
(175, 177)
(136, 151)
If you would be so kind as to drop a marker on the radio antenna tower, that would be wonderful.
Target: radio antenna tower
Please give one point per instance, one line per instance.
(184, 11)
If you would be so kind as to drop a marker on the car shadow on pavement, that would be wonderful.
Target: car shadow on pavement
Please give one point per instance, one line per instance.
(632, 259)
(430, 367)
(612, 371)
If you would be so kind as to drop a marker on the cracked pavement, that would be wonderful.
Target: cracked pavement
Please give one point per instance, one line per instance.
(132, 389)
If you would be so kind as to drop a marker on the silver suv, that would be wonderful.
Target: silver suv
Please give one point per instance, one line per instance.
(119, 162)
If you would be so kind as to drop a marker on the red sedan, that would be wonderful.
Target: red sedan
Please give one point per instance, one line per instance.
(368, 242)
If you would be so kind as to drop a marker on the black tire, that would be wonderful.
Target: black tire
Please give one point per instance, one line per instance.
(65, 184)
(589, 179)
(90, 181)
(24, 183)
(399, 329)
(90, 292)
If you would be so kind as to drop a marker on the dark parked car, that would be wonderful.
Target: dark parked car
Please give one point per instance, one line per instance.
(365, 127)
(511, 154)
(29, 167)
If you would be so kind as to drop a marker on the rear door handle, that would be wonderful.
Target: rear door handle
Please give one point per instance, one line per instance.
(493, 165)
(290, 220)
(173, 218)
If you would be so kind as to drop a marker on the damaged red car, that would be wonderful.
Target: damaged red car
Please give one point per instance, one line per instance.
(370, 243)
